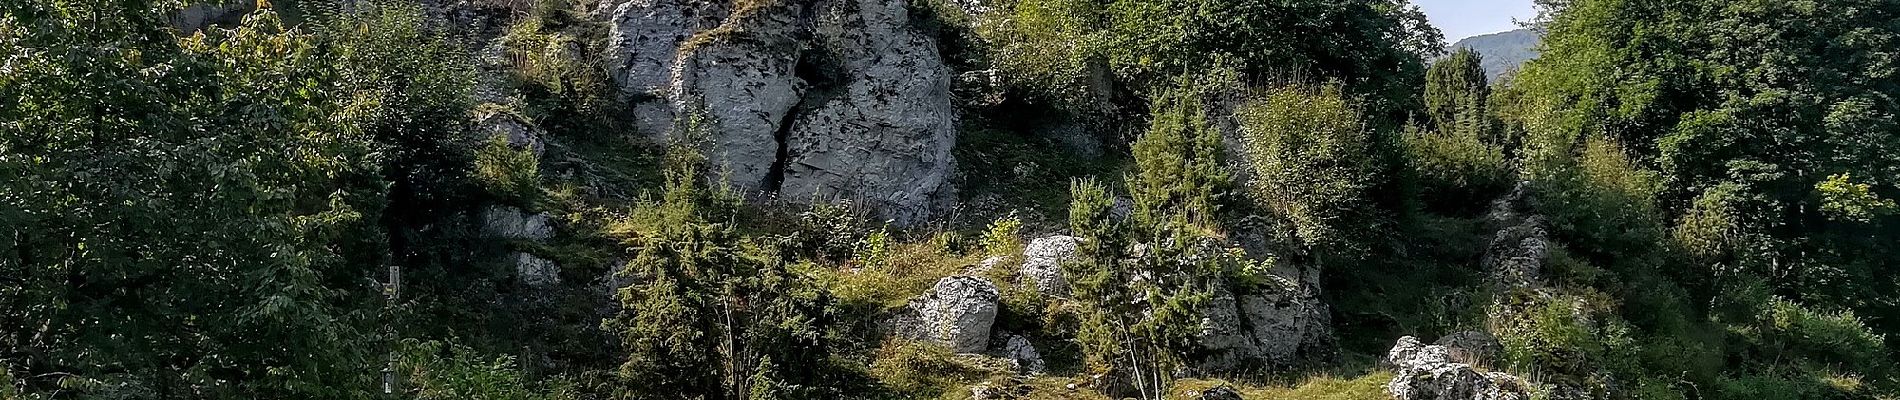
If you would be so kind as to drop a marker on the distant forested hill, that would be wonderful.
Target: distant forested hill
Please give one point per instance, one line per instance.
(1503, 51)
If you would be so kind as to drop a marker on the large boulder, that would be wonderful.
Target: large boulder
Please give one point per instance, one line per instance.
(1042, 264)
(880, 128)
(740, 79)
(956, 313)
(1429, 373)
(644, 38)
(508, 222)
(1274, 325)
(814, 100)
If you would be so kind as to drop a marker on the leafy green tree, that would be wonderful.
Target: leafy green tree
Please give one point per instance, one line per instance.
(1459, 162)
(1092, 50)
(186, 217)
(1764, 102)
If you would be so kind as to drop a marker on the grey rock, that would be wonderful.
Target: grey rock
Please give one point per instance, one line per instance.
(204, 14)
(1020, 350)
(1516, 254)
(817, 101)
(1272, 326)
(535, 271)
(1042, 264)
(496, 120)
(1429, 373)
(884, 136)
(1222, 392)
(644, 38)
(514, 223)
(956, 313)
(741, 79)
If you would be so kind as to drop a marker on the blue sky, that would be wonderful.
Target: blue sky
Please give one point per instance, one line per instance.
(1461, 19)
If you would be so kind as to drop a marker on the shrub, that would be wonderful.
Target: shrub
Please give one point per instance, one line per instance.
(1004, 237)
(1456, 170)
(1312, 157)
(508, 172)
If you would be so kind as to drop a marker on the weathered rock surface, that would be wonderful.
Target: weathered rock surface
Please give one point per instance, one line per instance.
(1042, 264)
(1517, 252)
(1018, 349)
(740, 77)
(957, 313)
(884, 135)
(535, 271)
(513, 223)
(1429, 373)
(812, 99)
(1274, 326)
(645, 37)
(1222, 392)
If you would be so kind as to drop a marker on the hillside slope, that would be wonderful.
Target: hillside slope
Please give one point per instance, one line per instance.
(1503, 51)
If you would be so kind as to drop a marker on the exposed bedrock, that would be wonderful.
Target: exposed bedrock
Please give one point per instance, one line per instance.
(812, 100)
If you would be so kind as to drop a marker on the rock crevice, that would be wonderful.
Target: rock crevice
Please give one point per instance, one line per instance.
(814, 100)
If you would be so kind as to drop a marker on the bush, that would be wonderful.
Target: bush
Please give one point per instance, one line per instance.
(1313, 162)
(1456, 170)
(508, 172)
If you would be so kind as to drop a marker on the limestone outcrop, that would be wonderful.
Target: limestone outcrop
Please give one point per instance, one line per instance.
(957, 313)
(1042, 264)
(1272, 325)
(1427, 372)
(808, 99)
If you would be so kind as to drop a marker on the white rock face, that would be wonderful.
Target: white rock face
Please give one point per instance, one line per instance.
(646, 36)
(512, 223)
(536, 271)
(1268, 326)
(1428, 373)
(1042, 264)
(741, 78)
(957, 313)
(884, 136)
(814, 100)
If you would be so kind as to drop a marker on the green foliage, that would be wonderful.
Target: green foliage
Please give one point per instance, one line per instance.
(186, 217)
(1313, 165)
(1576, 339)
(1081, 52)
(556, 66)
(1457, 91)
(1456, 170)
(927, 371)
(1844, 200)
(1750, 114)
(698, 285)
(1139, 310)
(443, 371)
(508, 172)
(1003, 237)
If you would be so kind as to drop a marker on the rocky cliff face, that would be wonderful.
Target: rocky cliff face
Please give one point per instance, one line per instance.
(809, 99)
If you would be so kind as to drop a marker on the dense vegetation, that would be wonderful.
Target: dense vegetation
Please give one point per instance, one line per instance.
(294, 208)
